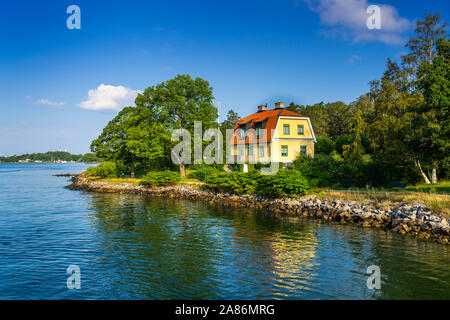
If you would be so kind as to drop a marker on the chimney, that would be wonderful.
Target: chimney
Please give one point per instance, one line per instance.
(261, 108)
(279, 105)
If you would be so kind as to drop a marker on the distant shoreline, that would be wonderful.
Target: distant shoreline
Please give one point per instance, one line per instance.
(47, 162)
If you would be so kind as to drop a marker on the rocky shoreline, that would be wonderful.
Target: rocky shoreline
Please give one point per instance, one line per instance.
(415, 220)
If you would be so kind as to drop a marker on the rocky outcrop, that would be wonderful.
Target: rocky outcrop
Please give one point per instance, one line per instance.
(405, 219)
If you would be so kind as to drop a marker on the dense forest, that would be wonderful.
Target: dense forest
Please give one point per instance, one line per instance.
(397, 132)
(400, 129)
(51, 156)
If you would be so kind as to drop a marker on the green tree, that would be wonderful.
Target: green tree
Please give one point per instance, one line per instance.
(135, 136)
(324, 145)
(353, 153)
(111, 145)
(427, 138)
(430, 132)
(230, 121)
(318, 115)
(391, 120)
(185, 101)
(339, 116)
(423, 46)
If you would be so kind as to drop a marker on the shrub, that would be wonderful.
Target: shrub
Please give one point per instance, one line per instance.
(234, 182)
(200, 173)
(161, 178)
(320, 170)
(286, 183)
(106, 169)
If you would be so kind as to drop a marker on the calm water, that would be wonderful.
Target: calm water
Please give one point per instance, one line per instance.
(131, 247)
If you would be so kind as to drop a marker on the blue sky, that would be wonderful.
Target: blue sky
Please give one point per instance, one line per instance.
(60, 87)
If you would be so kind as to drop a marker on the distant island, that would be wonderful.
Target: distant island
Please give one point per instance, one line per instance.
(50, 157)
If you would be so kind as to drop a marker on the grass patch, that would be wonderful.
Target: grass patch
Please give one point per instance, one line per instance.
(117, 180)
(136, 181)
(442, 188)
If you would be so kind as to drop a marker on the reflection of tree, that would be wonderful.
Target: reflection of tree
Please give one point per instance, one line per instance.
(163, 249)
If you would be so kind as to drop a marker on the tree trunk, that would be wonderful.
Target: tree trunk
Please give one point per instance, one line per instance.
(181, 165)
(427, 181)
(182, 169)
(434, 176)
(132, 169)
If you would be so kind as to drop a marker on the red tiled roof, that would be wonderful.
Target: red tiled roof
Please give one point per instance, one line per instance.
(271, 116)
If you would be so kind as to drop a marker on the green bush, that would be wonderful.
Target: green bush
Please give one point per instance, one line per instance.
(234, 182)
(161, 178)
(286, 183)
(200, 173)
(106, 169)
(320, 170)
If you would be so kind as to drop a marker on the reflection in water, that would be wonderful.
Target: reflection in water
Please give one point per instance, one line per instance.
(181, 249)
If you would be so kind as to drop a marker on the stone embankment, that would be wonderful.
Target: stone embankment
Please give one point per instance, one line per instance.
(410, 219)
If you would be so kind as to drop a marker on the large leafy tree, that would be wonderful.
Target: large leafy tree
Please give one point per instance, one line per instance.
(135, 136)
(430, 135)
(111, 145)
(427, 62)
(141, 135)
(184, 100)
(391, 119)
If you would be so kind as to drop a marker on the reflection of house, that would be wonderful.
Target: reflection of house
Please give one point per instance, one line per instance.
(276, 135)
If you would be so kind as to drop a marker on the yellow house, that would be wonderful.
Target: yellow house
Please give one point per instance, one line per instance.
(276, 135)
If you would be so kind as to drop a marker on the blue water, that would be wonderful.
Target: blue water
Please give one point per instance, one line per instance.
(132, 247)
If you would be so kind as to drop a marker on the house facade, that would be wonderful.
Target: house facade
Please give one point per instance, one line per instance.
(276, 135)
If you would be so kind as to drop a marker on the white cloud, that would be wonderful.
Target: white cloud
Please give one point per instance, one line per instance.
(107, 97)
(50, 103)
(354, 58)
(348, 18)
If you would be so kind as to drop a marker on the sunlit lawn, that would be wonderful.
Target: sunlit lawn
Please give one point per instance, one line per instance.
(442, 187)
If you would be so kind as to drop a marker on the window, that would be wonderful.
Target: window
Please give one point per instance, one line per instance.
(258, 133)
(249, 150)
(301, 129)
(240, 150)
(284, 151)
(303, 149)
(241, 133)
(261, 151)
(286, 129)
